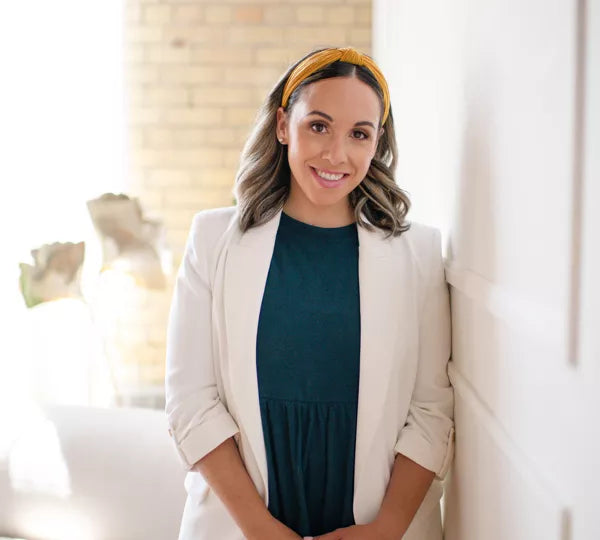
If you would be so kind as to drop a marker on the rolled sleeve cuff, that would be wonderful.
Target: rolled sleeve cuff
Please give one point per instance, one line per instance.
(415, 447)
(204, 438)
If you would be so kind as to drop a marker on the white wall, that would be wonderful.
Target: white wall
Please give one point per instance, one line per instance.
(489, 99)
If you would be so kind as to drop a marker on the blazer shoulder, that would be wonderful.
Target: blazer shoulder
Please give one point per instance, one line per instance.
(422, 232)
(208, 231)
(424, 242)
(213, 219)
(209, 225)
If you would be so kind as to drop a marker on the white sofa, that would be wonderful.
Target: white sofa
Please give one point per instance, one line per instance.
(87, 473)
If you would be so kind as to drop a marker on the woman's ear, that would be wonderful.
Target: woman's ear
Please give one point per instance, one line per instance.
(281, 128)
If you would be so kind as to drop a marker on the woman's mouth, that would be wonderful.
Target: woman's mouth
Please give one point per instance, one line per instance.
(328, 180)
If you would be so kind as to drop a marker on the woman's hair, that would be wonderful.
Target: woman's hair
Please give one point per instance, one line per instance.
(262, 183)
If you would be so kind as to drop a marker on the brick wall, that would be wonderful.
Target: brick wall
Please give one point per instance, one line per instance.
(196, 73)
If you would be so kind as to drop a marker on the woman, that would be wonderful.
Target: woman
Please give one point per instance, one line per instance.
(306, 388)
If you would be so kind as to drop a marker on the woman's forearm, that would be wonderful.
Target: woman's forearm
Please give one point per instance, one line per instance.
(226, 474)
(406, 490)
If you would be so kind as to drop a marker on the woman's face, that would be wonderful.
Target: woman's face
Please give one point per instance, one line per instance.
(331, 133)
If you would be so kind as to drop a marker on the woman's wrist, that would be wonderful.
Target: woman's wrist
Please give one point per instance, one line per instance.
(387, 527)
(271, 528)
(261, 526)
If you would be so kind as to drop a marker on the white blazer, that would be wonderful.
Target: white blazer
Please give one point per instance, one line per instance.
(405, 401)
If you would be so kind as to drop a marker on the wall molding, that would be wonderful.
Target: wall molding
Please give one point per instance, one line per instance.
(542, 323)
(577, 193)
(517, 458)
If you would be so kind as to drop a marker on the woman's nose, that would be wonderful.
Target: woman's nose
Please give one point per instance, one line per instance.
(335, 150)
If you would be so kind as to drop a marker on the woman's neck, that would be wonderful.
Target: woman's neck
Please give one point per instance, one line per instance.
(324, 216)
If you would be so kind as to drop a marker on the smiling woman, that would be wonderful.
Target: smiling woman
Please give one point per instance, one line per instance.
(330, 147)
(306, 386)
(324, 118)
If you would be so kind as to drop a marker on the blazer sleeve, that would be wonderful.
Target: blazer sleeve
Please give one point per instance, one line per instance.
(428, 434)
(198, 420)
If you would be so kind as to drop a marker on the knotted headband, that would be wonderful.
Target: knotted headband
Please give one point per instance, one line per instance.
(320, 59)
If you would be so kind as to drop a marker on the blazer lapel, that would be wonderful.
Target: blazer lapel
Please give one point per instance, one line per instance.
(246, 270)
(382, 289)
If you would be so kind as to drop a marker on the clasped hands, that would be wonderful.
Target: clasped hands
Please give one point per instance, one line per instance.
(370, 531)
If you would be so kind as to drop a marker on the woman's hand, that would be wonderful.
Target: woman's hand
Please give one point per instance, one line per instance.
(370, 531)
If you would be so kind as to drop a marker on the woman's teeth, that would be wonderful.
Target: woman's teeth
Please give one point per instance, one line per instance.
(328, 176)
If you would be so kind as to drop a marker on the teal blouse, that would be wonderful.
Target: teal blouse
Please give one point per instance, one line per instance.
(308, 360)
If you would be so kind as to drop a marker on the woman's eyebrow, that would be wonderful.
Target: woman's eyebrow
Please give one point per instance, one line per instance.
(325, 115)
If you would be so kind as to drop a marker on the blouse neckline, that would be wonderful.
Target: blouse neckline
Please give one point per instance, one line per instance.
(301, 226)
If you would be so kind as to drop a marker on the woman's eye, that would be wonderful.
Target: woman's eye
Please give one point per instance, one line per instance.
(319, 127)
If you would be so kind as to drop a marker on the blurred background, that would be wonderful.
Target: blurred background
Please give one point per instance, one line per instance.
(121, 119)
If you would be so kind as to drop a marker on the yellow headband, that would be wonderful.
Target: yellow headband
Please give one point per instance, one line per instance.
(323, 58)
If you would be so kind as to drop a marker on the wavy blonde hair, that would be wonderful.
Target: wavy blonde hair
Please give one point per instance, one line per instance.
(262, 183)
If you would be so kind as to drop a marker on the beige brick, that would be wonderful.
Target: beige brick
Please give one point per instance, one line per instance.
(362, 15)
(159, 14)
(144, 116)
(191, 197)
(180, 35)
(215, 137)
(248, 14)
(134, 178)
(228, 54)
(232, 158)
(278, 14)
(133, 53)
(135, 98)
(242, 135)
(190, 74)
(168, 178)
(198, 116)
(144, 74)
(274, 56)
(151, 200)
(136, 137)
(222, 177)
(342, 15)
(210, 36)
(218, 199)
(164, 137)
(255, 35)
(246, 76)
(161, 54)
(177, 217)
(218, 14)
(173, 157)
(236, 116)
(360, 37)
(221, 95)
(143, 34)
(309, 14)
(317, 2)
(188, 14)
(173, 95)
(316, 37)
